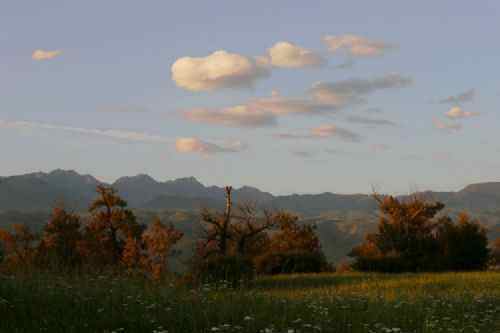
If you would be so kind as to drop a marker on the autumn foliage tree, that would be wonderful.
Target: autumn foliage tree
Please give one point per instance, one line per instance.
(411, 237)
(19, 246)
(158, 240)
(61, 238)
(111, 224)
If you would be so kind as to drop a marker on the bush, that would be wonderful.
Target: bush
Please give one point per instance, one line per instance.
(234, 270)
(291, 262)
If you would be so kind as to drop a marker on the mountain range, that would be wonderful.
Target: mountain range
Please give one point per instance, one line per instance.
(40, 191)
(342, 220)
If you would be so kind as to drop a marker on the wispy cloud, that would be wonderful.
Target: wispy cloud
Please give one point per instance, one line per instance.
(220, 69)
(356, 46)
(370, 121)
(195, 145)
(122, 109)
(303, 153)
(40, 55)
(117, 134)
(353, 91)
(323, 132)
(289, 55)
(237, 116)
(467, 96)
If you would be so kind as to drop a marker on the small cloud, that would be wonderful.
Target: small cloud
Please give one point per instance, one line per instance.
(447, 126)
(327, 131)
(323, 132)
(237, 116)
(289, 55)
(378, 148)
(303, 154)
(280, 105)
(122, 109)
(40, 55)
(467, 96)
(442, 157)
(456, 112)
(220, 69)
(349, 63)
(356, 46)
(195, 145)
(370, 121)
(353, 91)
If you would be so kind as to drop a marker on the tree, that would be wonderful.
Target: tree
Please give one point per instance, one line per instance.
(292, 248)
(463, 245)
(110, 225)
(217, 230)
(495, 253)
(19, 245)
(411, 238)
(158, 240)
(60, 239)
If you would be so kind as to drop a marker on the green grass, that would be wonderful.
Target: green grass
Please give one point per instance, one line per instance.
(451, 302)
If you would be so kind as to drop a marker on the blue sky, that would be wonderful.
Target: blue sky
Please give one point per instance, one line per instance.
(92, 86)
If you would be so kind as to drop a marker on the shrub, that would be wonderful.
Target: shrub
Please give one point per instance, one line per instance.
(233, 270)
(291, 262)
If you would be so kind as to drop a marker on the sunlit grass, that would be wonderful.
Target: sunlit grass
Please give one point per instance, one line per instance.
(450, 302)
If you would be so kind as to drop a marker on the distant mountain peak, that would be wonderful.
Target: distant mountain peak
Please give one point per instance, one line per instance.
(140, 178)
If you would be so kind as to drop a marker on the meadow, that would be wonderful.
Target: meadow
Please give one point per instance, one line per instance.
(333, 302)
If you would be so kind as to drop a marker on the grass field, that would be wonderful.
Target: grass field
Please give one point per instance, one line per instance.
(451, 302)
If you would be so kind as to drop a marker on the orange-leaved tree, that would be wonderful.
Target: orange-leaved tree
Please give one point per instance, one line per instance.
(111, 224)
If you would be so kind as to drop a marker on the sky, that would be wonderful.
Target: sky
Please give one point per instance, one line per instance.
(287, 96)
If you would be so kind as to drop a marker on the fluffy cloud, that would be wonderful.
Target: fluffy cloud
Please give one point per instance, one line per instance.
(352, 91)
(286, 54)
(124, 135)
(467, 96)
(447, 126)
(236, 116)
(456, 112)
(221, 69)
(370, 121)
(195, 145)
(356, 46)
(40, 55)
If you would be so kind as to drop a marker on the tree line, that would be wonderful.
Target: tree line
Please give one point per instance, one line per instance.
(241, 241)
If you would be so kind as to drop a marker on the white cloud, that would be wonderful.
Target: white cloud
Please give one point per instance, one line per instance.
(457, 112)
(220, 69)
(447, 126)
(118, 134)
(40, 55)
(467, 96)
(286, 54)
(356, 46)
(236, 116)
(195, 145)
